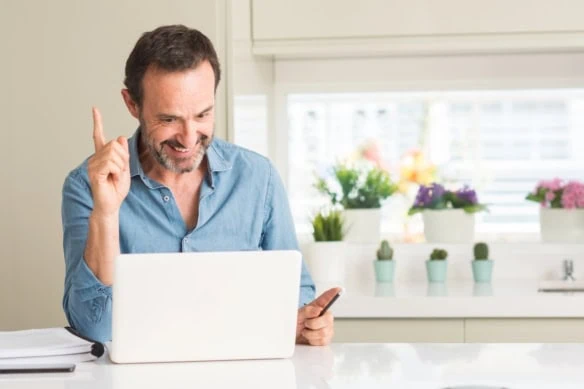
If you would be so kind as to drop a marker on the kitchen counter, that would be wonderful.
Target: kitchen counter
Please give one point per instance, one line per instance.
(513, 366)
(455, 299)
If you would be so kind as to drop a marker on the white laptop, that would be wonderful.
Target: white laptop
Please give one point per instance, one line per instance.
(204, 306)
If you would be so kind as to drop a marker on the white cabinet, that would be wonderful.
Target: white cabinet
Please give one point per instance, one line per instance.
(325, 27)
(524, 330)
(399, 330)
(532, 330)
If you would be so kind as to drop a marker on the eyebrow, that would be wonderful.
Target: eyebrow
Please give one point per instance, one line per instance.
(205, 110)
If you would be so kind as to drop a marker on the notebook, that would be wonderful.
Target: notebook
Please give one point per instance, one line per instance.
(205, 306)
(47, 345)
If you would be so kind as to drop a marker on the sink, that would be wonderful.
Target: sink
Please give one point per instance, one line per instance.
(561, 286)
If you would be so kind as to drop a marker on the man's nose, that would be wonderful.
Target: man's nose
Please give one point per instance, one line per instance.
(190, 133)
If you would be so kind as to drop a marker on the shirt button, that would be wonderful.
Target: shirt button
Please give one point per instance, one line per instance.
(166, 198)
(185, 240)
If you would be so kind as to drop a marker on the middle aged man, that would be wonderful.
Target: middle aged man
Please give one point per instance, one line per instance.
(172, 187)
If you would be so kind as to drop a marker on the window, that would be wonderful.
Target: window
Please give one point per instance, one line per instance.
(499, 141)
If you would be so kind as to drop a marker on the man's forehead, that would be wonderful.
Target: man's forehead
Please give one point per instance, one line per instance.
(178, 90)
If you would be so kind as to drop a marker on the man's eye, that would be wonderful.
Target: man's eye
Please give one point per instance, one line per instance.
(204, 114)
(168, 120)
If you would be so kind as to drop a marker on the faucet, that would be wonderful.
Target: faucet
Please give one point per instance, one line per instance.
(568, 270)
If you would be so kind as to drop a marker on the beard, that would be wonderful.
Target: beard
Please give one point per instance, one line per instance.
(174, 164)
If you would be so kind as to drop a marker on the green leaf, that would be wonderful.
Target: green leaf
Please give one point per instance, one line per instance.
(475, 208)
(534, 197)
(414, 210)
(328, 226)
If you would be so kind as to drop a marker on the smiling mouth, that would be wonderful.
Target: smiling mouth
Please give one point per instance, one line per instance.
(179, 149)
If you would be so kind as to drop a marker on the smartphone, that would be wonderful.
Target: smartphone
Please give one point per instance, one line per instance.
(37, 368)
(330, 304)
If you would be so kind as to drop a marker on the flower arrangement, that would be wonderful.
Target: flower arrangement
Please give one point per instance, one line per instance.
(357, 187)
(435, 196)
(558, 194)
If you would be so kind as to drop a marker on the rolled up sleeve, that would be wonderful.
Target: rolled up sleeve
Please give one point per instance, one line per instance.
(86, 300)
(279, 232)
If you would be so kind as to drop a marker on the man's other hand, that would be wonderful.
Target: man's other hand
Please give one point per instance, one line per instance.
(312, 329)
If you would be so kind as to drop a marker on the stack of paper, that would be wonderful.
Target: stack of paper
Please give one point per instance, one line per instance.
(48, 345)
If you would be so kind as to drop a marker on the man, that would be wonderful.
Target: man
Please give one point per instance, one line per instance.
(172, 187)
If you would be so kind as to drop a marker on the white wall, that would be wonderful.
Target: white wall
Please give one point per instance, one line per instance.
(249, 75)
(58, 59)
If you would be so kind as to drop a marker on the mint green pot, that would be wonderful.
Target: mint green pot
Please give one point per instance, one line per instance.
(384, 270)
(482, 270)
(436, 270)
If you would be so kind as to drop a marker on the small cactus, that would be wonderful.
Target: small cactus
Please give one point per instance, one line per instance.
(438, 254)
(385, 251)
(481, 251)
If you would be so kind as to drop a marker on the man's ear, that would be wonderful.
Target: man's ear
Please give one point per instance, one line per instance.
(132, 106)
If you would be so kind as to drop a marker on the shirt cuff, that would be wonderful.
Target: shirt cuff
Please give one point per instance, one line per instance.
(87, 285)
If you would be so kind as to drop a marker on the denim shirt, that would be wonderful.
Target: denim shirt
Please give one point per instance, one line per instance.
(243, 206)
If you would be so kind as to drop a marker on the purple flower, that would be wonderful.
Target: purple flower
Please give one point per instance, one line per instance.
(467, 196)
(428, 196)
(423, 197)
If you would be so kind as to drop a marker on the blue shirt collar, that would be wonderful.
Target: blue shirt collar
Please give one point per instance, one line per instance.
(215, 157)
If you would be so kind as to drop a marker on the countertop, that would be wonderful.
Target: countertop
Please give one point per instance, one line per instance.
(455, 299)
(396, 366)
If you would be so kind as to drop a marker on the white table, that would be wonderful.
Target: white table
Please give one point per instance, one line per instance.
(395, 366)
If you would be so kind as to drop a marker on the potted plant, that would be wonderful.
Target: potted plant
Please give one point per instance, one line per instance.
(561, 216)
(384, 264)
(360, 190)
(482, 266)
(326, 255)
(437, 266)
(449, 216)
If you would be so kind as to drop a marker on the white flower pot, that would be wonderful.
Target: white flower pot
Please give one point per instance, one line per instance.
(448, 226)
(326, 261)
(562, 225)
(363, 225)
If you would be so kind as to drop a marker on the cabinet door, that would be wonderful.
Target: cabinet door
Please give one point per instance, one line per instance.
(524, 330)
(347, 19)
(399, 330)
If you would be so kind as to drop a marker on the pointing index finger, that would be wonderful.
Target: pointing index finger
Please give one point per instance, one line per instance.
(98, 137)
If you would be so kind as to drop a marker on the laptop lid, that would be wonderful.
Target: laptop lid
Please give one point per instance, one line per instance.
(205, 306)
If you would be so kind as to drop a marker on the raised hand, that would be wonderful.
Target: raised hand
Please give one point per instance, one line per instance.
(109, 170)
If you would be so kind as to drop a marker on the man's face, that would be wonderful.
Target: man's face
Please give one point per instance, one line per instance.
(177, 116)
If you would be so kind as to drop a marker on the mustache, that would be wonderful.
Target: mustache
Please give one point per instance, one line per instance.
(176, 143)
